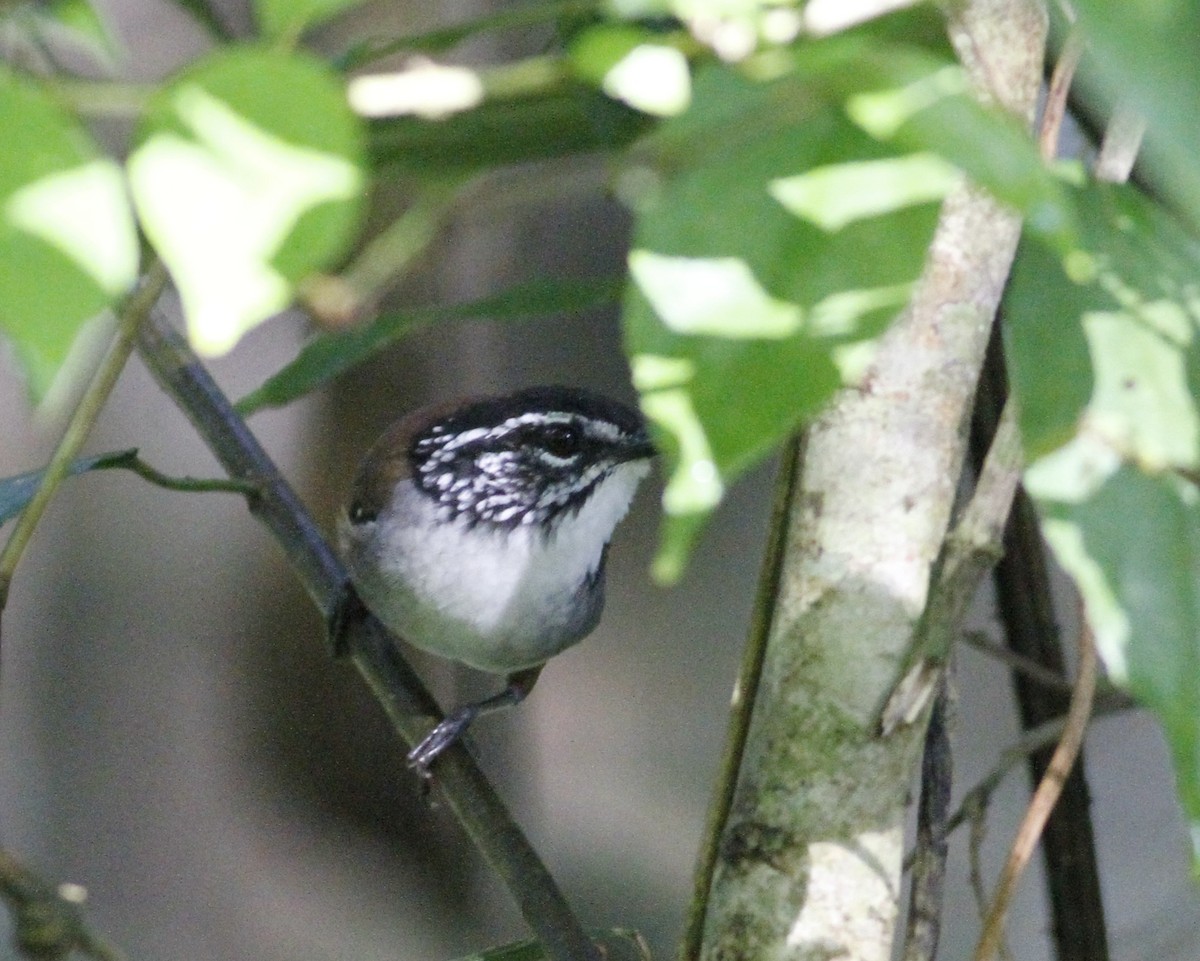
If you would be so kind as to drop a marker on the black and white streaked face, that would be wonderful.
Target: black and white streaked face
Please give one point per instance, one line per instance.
(529, 458)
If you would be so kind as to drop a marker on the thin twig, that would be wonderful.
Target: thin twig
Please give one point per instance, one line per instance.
(16, 492)
(375, 653)
(1044, 797)
(1019, 663)
(1031, 741)
(977, 799)
(1025, 607)
(929, 860)
(1056, 96)
(977, 815)
(130, 317)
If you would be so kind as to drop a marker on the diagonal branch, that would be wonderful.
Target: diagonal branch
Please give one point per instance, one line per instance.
(374, 652)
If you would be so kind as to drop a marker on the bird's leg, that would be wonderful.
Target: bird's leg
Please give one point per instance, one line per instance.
(348, 609)
(456, 723)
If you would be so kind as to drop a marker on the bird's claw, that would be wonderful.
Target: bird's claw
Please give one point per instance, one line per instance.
(431, 746)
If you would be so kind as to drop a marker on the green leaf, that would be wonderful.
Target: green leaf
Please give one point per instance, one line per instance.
(782, 222)
(615, 945)
(290, 18)
(1144, 55)
(248, 176)
(68, 249)
(633, 66)
(16, 492)
(1105, 362)
(327, 356)
(900, 84)
(1103, 340)
(770, 246)
(1132, 544)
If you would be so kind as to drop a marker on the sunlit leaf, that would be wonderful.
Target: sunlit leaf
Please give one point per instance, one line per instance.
(68, 248)
(900, 83)
(734, 29)
(631, 66)
(248, 177)
(782, 221)
(1132, 545)
(327, 356)
(753, 279)
(424, 89)
(1104, 339)
(1105, 361)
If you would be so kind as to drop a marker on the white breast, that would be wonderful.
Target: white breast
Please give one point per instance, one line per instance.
(496, 600)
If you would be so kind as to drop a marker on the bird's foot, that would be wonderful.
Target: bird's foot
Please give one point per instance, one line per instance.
(439, 739)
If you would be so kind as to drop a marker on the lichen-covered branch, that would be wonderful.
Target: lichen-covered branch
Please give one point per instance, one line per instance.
(809, 863)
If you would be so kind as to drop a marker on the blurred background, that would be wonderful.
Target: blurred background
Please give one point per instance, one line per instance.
(175, 738)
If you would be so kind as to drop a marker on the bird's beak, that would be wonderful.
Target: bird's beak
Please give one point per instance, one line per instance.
(642, 450)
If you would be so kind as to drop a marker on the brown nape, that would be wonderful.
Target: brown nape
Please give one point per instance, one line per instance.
(387, 463)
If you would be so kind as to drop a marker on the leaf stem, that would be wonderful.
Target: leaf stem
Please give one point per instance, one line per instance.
(1056, 96)
(130, 317)
(187, 485)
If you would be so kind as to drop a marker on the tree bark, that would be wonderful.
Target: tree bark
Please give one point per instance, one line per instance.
(809, 862)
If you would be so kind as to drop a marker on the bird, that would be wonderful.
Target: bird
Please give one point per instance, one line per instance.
(478, 531)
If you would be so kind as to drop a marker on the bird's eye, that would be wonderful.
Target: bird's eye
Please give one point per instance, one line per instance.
(562, 440)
